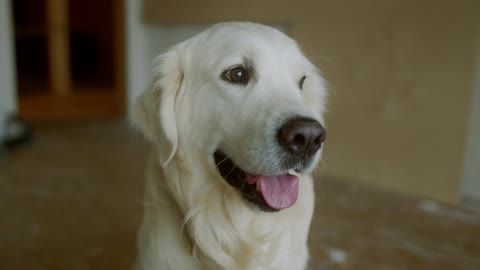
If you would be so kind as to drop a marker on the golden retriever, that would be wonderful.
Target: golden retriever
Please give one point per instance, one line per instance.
(234, 114)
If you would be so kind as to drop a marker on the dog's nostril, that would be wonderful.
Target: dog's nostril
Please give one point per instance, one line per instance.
(302, 136)
(299, 139)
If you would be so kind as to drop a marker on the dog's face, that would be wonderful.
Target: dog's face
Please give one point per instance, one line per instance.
(245, 97)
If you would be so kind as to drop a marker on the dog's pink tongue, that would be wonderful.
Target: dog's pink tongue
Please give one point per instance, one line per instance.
(279, 191)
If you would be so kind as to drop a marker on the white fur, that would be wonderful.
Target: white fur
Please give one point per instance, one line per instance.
(193, 218)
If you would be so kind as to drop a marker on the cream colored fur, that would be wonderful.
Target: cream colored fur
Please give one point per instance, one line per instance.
(193, 218)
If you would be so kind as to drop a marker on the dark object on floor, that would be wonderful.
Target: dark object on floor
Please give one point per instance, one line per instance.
(17, 132)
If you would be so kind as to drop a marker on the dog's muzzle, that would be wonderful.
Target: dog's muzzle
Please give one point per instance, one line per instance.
(300, 138)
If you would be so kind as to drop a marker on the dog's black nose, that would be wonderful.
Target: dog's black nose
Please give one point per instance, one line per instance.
(302, 136)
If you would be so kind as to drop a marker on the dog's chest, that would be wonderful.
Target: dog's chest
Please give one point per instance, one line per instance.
(270, 245)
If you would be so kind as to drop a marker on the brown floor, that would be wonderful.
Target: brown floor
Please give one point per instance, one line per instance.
(71, 199)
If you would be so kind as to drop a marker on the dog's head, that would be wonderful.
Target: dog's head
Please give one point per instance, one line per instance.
(244, 97)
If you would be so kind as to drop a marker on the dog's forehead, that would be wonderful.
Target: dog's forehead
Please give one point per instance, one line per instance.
(233, 43)
(237, 36)
(246, 31)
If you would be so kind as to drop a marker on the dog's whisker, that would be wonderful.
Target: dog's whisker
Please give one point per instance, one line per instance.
(321, 57)
(234, 167)
(229, 156)
(240, 159)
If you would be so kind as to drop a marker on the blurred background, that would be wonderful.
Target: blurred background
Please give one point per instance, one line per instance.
(400, 183)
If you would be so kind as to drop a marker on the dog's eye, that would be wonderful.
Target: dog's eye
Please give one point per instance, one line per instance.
(237, 75)
(300, 83)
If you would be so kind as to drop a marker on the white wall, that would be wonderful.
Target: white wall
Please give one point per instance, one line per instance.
(471, 178)
(7, 67)
(137, 64)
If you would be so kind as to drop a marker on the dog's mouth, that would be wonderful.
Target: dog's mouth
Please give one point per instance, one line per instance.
(269, 193)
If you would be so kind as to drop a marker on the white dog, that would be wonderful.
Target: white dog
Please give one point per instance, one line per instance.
(234, 114)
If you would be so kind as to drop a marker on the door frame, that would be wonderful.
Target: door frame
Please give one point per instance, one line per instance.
(470, 188)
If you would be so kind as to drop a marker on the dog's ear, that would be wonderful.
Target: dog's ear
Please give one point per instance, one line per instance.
(154, 112)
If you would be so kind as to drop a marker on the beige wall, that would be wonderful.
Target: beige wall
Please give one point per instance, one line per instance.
(402, 79)
(401, 75)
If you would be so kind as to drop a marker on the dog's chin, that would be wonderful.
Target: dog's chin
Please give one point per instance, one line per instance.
(268, 193)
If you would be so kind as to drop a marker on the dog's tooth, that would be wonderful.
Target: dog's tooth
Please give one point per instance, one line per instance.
(293, 172)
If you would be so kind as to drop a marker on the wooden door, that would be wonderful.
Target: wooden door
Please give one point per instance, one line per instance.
(70, 59)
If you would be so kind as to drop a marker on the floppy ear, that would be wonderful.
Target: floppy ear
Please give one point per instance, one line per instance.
(154, 112)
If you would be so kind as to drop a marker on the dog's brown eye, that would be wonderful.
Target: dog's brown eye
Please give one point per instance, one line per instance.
(237, 75)
(302, 80)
